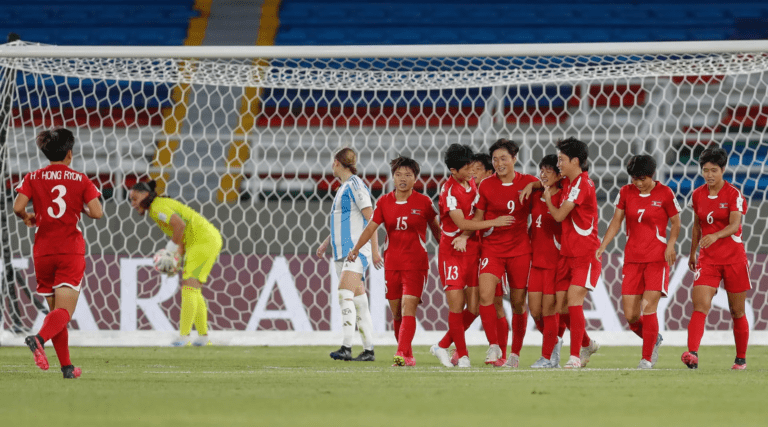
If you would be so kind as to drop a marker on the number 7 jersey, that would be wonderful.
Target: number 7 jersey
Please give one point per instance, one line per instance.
(58, 194)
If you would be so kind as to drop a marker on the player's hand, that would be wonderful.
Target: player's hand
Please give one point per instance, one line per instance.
(378, 261)
(599, 253)
(547, 195)
(526, 192)
(670, 256)
(460, 243)
(707, 240)
(351, 256)
(29, 220)
(321, 250)
(503, 221)
(692, 262)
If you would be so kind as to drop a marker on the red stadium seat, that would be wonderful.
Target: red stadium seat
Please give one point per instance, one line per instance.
(746, 116)
(616, 95)
(89, 117)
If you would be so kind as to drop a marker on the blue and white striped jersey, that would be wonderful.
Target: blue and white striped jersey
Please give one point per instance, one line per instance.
(347, 221)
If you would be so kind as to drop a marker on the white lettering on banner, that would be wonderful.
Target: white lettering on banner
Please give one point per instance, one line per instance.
(281, 276)
(129, 301)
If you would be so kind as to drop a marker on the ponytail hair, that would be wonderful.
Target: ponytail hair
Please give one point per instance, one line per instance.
(147, 187)
(347, 158)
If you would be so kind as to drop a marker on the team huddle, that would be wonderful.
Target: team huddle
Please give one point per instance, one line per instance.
(536, 239)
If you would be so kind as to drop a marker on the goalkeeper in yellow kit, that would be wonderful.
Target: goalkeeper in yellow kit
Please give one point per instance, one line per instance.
(193, 239)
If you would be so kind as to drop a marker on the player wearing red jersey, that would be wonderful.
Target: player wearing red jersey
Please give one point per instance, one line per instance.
(578, 214)
(504, 250)
(59, 195)
(406, 215)
(648, 206)
(718, 208)
(457, 256)
(544, 297)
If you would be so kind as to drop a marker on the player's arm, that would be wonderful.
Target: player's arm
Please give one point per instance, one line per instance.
(695, 237)
(529, 188)
(178, 225)
(473, 225)
(613, 230)
(20, 210)
(323, 246)
(561, 213)
(434, 226)
(734, 221)
(93, 209)
(670, 255)
(378, 261)
(368, 232)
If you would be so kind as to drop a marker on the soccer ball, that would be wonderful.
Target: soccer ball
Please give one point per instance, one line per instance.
(166, 262)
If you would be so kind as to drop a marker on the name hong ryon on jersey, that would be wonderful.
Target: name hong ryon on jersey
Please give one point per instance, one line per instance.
(57, 175)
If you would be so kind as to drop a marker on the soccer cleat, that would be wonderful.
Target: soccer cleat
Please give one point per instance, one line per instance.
(365, 356)
(513, 360)
(555, 358)
(587, 352)
(201, 341)
(493, 354)
(573, 363)
(181, 341)
(739, 364)
(399, 359)
(71, 372)
(645, 364)
(543, 363)
(454, 357)
(655, 354)
(691, 359)
(343, 353)
(442, 355)
(35, 344)
(464, 362)
(410, 361)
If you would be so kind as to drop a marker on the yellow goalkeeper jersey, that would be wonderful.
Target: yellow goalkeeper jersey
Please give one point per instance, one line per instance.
(198, 229)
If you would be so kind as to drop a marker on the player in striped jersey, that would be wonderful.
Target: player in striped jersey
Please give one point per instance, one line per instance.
(406, 215)
(350, 213)
(648, 206)
(718, 209)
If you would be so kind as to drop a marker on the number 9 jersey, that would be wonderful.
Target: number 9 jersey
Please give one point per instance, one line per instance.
(58, 194)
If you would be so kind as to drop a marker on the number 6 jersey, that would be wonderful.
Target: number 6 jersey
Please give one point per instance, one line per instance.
(58, 194)
(714, 215)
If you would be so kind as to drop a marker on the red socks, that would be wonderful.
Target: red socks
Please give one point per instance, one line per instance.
(562, 323)
(467, 319)
(519, 324)
(61, 345)
(696, 330)
(637, 327)
(456, 331)
(539, 325)
(649, 326)
(502, 334)
(550, 336)
(407, 331)
(488, 316)
(396, 328)
(54, 322)
(741, 335)
(578, 323)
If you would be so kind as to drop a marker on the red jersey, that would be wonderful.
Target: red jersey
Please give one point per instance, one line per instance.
(545, 232)
(646, 218)
(406, 224)
(58, 194)
(714, 215)
(580, 226)
(499, 199)
(454, 196)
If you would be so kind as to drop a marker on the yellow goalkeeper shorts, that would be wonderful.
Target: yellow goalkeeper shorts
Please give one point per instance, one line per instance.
(199, 259)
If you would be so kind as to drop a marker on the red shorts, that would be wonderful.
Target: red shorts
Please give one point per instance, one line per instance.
(515, 268)
(503, 287)
(542, 280)
(404, 282)
(638, 277)
(581, 271)
(735, 277)
(457, 272)
(54, 271)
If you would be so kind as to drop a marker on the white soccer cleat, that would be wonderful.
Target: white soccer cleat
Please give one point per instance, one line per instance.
(555, 358)
(201, 341)
(493, 354)
(655, 354)
(464, 362)
(543, 363)
(587, 352)
(573, 363)
(181, 341)
(442, 355)
(513, 360)
(644, 364)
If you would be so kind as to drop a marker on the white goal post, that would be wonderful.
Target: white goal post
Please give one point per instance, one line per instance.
(245, 135)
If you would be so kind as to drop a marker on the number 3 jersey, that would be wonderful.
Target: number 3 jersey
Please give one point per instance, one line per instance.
(406, 224)
(646, 217)
(714, 215)
(58, 194)
(500, 199)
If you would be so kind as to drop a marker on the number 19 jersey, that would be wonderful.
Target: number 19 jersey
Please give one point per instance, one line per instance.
(58, 194)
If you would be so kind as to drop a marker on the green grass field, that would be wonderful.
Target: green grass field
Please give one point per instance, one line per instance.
(298, 386)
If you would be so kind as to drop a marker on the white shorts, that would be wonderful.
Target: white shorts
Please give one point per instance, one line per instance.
(359, 266)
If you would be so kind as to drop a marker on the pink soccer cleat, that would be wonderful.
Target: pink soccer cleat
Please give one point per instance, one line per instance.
(35, 345)
(691, 359)
(740, 364)
(71, 372)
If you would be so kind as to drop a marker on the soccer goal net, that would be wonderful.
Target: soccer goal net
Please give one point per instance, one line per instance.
(246, 136)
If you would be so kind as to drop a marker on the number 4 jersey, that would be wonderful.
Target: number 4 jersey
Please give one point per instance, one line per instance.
(58, 194)
(714, 215)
